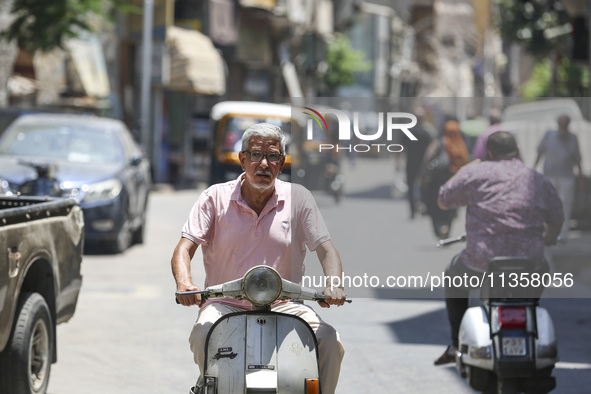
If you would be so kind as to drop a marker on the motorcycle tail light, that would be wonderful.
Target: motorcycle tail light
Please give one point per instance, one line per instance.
(512, 316)
(312, 386)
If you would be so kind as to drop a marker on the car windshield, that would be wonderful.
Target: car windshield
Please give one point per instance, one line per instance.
(236, 125)
(71, 143)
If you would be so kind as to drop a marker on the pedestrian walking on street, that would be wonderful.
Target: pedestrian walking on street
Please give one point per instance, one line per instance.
(415, 155)
(444, 157)
(479, 150)
(561, 150)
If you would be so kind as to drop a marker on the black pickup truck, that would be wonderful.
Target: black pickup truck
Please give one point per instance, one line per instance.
(41, 243)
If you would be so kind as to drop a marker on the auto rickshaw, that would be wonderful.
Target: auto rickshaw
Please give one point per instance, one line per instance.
(230, 119)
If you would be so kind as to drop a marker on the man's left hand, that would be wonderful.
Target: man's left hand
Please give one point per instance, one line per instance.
(333, 296)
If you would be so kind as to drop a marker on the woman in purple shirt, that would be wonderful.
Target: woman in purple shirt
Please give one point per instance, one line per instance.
(511, 211)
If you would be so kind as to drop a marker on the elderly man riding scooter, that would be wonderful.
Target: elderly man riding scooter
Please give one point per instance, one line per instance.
(259, 219)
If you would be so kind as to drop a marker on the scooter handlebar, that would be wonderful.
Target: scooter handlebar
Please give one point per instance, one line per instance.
(321, 298)
(295, 291)
(203, 293)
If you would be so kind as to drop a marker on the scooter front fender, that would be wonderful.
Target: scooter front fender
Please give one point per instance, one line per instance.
(259, 351)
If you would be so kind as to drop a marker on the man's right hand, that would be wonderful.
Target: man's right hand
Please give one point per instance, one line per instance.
(191, 299)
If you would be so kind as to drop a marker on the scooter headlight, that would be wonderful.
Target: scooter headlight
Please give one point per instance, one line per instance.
(262, 285)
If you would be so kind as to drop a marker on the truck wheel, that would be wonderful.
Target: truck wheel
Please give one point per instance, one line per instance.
(26, 361)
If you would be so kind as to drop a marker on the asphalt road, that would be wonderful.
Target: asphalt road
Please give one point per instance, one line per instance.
(129, 336)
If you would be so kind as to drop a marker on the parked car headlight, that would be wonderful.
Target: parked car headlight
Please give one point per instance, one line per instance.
(4, 187)
(7, 189)
(106, 190)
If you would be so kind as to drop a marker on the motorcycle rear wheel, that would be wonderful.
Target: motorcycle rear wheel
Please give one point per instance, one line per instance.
(481, 379)
(507, 386)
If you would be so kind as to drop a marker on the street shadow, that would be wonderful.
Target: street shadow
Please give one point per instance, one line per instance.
(571, 380)
(572, 322)
(427, 329)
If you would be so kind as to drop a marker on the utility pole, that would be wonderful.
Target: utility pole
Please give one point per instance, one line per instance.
(146, 74)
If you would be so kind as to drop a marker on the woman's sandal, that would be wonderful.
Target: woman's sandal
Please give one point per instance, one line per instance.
(446, 357)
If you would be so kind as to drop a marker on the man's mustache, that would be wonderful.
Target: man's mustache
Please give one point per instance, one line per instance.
(263, 172)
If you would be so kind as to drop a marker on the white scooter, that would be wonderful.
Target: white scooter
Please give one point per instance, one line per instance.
(508, 344)
(260, 351)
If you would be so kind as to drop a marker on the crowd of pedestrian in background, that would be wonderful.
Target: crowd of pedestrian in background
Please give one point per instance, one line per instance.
(438, 154)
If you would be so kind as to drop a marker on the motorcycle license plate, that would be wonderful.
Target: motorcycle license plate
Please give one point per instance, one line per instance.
(513, 346)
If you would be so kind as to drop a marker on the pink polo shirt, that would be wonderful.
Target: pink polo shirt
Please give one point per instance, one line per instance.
(234, 239)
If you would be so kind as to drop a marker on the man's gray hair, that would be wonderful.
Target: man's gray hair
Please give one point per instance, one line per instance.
(267, 130)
